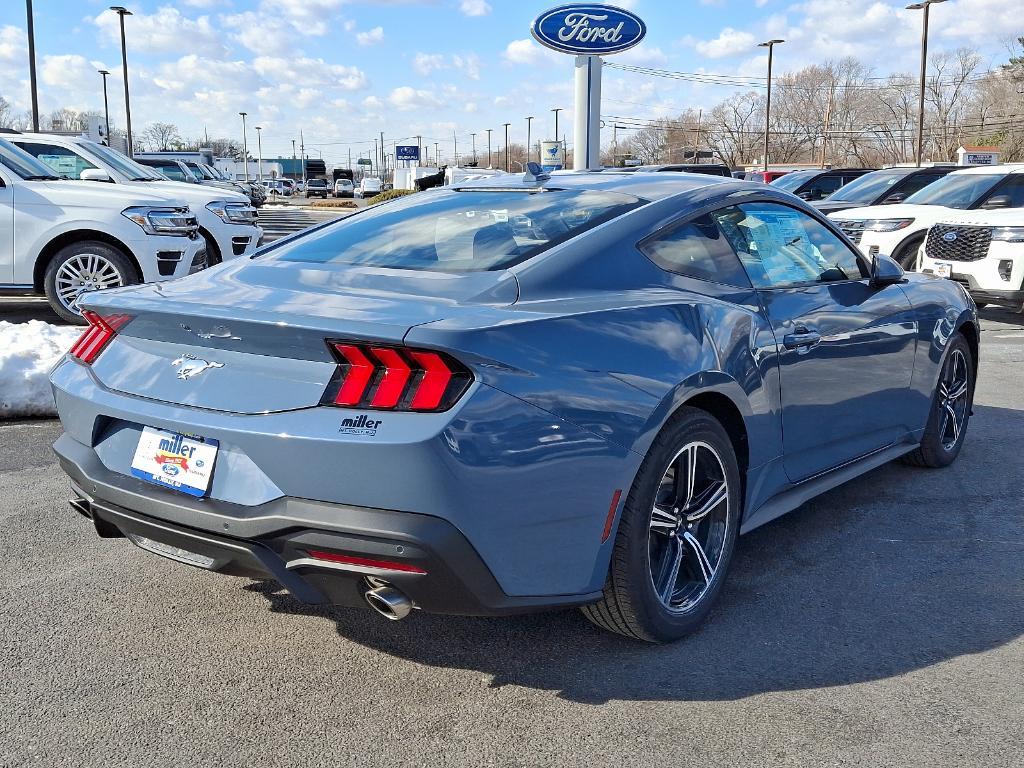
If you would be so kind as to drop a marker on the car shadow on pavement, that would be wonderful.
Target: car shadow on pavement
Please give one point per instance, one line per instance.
(1002, 315)
(898, 570)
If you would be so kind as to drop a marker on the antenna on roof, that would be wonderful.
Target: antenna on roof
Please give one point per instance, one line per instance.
(534, 173)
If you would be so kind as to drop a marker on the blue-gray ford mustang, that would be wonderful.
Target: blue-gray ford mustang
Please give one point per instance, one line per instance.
(512, 394)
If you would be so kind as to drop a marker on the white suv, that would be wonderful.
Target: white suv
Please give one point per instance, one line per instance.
(983, 251)
(64, 238)
(899, 230)
(227, 222)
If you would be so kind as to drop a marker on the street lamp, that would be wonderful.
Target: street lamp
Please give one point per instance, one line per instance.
(924, 63)
(489, 148)
(556, 110)
(259, 149)
(508, 168)
(473, 137)
(106, 107)
(32, 66)
(529, 121)
(121, 11)
(770, 45)
(245, 149)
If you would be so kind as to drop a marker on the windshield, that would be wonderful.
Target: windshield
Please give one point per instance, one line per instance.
(869, 187)
(123, 165)
(459, 231)
(196, 171)
(22, 163)
(791, 181)
(956, 190)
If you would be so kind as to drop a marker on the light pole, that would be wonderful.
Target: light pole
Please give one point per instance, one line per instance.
(508, 168)
(32, 66)
(437, 157)
(259, 149)
(770, 45)
(556, 110)
(473, 137)
(121, 11)
(925, 5)
(489, 148)
(529, 121)
(245, 149)
(106, 107)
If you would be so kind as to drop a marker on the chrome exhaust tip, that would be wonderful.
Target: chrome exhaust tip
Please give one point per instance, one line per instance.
(389, 602)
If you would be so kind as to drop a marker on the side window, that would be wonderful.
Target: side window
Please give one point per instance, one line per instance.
(823, 186)
(1014, 187)
(781, 246)
(917, 182)
(696, 249)
(61, 161)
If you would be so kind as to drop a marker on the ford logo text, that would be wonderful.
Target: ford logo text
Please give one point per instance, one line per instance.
(588, 29)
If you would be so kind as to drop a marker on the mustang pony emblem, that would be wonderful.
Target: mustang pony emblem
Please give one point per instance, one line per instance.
(192, 366)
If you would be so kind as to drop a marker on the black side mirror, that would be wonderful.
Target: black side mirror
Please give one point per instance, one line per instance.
(998, 201)
(885, 271)
(895, 197)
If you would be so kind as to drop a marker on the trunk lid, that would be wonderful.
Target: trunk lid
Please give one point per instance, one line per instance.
(251, 337)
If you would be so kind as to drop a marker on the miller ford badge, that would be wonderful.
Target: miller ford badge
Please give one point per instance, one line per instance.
(588, 29)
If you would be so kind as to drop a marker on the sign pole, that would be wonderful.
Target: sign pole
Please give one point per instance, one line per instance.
(587, 133)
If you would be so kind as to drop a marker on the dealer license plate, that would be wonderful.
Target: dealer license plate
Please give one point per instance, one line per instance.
(181, 462)
(943, 268)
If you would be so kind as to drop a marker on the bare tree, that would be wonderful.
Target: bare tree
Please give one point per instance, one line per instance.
(6, 118)
(161, 136)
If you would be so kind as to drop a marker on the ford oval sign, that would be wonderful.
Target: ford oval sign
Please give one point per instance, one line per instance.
(949, 237)
(588, 29)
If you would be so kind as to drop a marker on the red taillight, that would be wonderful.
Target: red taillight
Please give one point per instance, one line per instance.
(365, 562)
(100, 332)
(395, 378)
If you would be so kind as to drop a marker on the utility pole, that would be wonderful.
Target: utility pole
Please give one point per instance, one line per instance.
(302, 157)
(828, 121)
(106, 106)
(508, 168)
(770, 45)
(437, 156)
(419, 151)
(376, 158)
(925, 5)
(615, 143)
(32, 69)
(489, 148)
(529, 121)
(122, 12)
(245, 150)
(350, 158)
(455, 142)
(473, 137)
(382, 157)
(556, 110)
(259, 144)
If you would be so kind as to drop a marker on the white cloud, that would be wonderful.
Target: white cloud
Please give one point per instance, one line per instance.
(643, 55)
(310, 72)
(425, 63)
(406, 99)
(207, 3)
(372, 37)
(730, 42)
(475, 7)
(468, 63)
(526, 51)
(162, 32)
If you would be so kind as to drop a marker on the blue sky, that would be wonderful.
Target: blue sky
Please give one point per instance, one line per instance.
(345, 70)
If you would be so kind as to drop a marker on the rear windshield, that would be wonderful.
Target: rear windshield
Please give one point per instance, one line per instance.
(869, 187)
(791, 181)
(458, 231)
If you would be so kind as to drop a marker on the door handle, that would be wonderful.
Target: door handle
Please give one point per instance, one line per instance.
(801, 337)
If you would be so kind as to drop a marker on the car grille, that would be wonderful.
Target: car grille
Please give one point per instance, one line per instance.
(852, 229)
(967, 243)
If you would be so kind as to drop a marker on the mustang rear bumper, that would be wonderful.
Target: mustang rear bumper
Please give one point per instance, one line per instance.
(273, 541)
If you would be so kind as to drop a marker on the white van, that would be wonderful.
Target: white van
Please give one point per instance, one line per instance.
(369, 187)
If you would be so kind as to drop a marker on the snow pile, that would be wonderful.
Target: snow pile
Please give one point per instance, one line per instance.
(27, 352)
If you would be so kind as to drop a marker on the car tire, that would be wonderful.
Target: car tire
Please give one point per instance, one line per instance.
(213, 257)
(686, 554)
(906, 254)
(950, 410)
(91, 261)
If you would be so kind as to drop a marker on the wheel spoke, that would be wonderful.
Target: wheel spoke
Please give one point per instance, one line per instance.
(706, 569)
(670, 574)
(691, 474)
(663, 521)
(958, 391)
(708, 499)
(954, 422)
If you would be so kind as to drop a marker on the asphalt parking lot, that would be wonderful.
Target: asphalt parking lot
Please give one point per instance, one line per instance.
(879, 625)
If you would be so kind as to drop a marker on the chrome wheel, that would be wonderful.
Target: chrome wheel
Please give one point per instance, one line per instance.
(954, 390)
(82, 273)
(688, 526)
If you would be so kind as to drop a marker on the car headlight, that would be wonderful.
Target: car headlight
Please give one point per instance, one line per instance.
(157, 220)
(233, 212)
(1008, 234)
(887, 225)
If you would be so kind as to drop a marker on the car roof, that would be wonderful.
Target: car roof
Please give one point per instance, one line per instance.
(985, 170)
(649, 185)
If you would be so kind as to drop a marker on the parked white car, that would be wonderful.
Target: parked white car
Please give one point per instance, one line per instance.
(368, 187)
(899, 230)
(227, 221)
(981, 250)
(64, 238)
